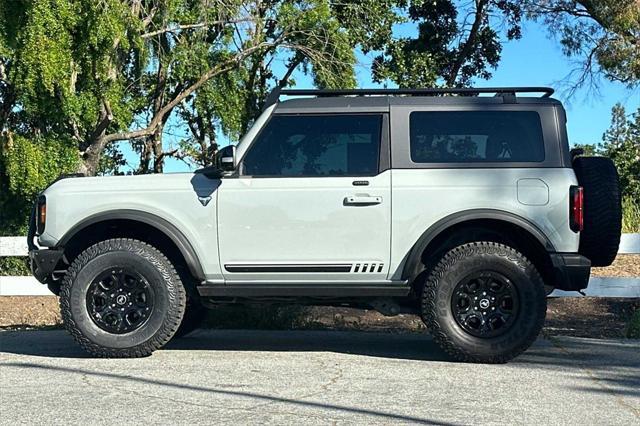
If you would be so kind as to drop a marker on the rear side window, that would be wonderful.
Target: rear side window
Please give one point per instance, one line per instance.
(316, 145)
(476, 136)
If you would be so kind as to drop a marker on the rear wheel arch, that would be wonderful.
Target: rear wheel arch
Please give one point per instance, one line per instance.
(144, 226)
(476, 225)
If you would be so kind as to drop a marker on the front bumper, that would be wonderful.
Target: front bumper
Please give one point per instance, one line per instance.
(571, 271)
(42, 261)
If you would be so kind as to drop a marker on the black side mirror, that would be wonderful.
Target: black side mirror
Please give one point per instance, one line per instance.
(226, 158)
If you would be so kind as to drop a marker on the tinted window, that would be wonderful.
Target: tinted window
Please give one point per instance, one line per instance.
(320, 145)
(469, 136)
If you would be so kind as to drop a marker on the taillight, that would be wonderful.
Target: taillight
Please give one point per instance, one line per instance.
(576, 208)
(42, 214)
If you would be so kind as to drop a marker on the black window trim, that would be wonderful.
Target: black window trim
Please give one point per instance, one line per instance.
(384, 152)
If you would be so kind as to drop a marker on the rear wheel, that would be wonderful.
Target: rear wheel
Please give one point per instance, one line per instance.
(122, 298)
(484, 302)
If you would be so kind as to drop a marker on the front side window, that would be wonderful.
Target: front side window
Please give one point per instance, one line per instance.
(316, 145)
(470, 136)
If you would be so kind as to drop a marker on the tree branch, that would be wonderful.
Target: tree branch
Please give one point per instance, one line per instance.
(462, 55)
(158, 117)
(181, 27)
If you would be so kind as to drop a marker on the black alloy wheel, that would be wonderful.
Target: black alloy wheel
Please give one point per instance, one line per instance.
(485, 304)
(119, 300)
(122, 298)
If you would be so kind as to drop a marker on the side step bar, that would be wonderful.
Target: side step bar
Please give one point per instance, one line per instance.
(330, 290)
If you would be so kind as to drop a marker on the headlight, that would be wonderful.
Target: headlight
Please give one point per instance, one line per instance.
(42, 214)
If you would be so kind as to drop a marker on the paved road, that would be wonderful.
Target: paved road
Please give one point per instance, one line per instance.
(260, 377)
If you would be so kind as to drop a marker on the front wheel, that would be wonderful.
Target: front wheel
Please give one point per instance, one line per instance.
(122, 298)
(484, 302)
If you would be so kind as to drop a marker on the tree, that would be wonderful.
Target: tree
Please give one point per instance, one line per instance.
(101, 72)
(621, 142)
(602, 35)
(232, 101)
(455, 43)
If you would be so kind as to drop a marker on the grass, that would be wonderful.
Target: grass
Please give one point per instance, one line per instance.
(630, 215)
(633, 329)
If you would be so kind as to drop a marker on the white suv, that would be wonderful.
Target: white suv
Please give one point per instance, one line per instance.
(463, 208)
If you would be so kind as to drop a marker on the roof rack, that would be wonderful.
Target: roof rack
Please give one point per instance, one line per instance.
(273, 97)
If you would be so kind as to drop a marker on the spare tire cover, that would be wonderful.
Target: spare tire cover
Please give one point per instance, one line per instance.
(600, 238)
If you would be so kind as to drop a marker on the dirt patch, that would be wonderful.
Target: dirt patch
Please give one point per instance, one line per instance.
(590, 317)
(625, 265)
(29, 311)
(581, 317)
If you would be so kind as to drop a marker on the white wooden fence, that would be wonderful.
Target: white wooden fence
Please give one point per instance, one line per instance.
(598, 286)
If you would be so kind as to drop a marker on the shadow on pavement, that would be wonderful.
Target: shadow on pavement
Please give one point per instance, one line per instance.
(58, 344)
(611, 366)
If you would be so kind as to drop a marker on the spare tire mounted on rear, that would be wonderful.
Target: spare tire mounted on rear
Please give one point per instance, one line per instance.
(602, 209)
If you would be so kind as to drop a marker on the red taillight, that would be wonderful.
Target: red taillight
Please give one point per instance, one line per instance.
(576, 208)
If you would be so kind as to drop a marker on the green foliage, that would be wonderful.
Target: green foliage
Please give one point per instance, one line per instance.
(30, 165)
(455, 43)
(26, 167)
(630, 215)
(588, 149)
(603, 35)
(14, 266)
(621, 142)
(633, 328)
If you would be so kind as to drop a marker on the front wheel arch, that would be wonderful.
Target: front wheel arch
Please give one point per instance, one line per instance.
(139, 225)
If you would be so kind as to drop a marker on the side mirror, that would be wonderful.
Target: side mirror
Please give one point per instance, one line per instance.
(226, 158)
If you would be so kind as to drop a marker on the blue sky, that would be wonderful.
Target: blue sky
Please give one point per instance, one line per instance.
(534, 60)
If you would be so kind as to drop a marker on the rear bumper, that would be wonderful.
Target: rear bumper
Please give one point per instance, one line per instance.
(571, 271)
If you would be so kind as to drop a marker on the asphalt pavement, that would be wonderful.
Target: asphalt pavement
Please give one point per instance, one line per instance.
(316, 377)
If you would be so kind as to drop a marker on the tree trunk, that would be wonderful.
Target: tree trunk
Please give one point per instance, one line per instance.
(158, 157)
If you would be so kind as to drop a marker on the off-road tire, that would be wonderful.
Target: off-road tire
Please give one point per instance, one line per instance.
(164, 320)
(600, 238)
(437, 312)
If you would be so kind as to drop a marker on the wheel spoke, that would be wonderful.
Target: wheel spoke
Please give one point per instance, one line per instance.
(485, 304)
(119, 300)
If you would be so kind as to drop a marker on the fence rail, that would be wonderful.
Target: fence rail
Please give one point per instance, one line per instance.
(598, 286)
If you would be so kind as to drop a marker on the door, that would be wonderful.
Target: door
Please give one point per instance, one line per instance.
(311, 202)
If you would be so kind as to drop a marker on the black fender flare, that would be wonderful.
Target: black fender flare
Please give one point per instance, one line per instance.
(412, 264)
(162, 225)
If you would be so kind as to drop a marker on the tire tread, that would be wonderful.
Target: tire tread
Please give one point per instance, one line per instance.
(429, 301)
(176, 294)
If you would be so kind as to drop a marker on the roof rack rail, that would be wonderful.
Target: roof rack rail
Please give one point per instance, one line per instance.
(273, 97)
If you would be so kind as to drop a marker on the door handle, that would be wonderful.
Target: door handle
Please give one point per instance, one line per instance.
(361, 200)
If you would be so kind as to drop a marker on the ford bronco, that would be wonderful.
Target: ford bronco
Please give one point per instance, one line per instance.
(464, 208)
